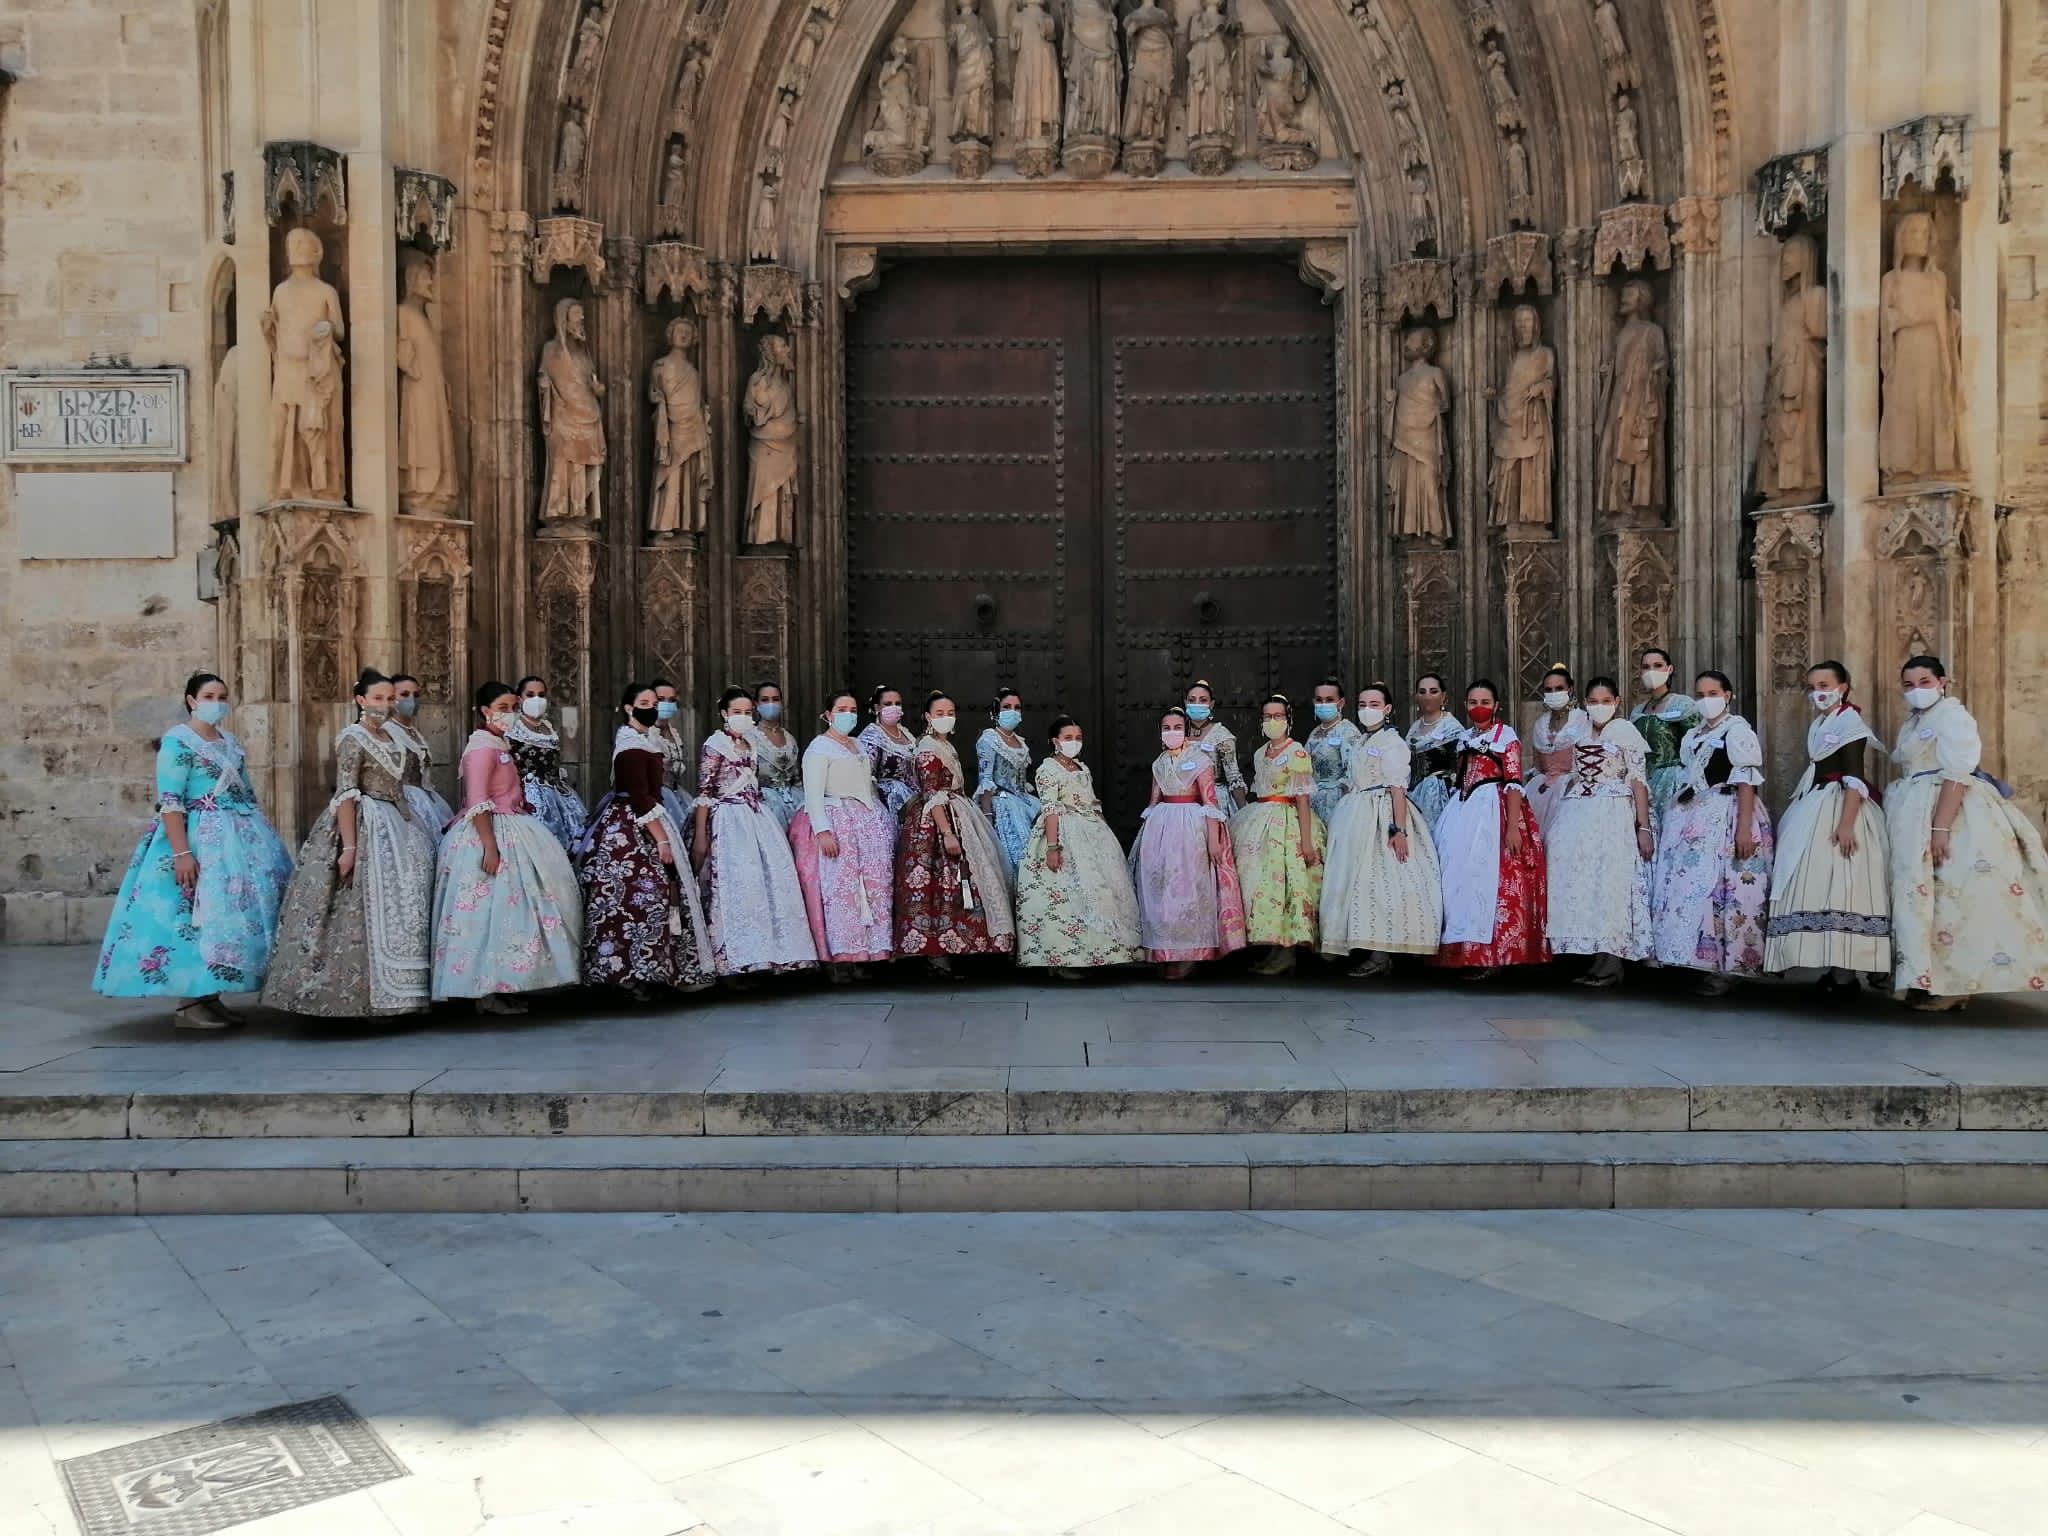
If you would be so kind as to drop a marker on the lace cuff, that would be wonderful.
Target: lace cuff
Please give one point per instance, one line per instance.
(703, 803)
(172, 803)
(481, 808)
(1743, 774)
(341, 795)
(659, 813)
(1850, 781)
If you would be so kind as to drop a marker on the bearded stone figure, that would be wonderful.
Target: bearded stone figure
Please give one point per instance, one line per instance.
(1034, 88)
(1420, 402)
(771, 448)
(1524, 435)
(427, 475)
(1919, 357)
(1792, 466)
(682, 438)
(1631, 464)
(571, 421)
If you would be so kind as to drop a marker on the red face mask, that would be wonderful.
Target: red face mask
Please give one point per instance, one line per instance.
(1482, 714)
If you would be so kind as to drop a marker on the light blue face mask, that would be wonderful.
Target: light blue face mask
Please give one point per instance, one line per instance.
(210, 711)
(666, 709)
(844, 721)
(1010, 719)
(769, 711)
(1198, 712)
(405, 708)
(1326, 711)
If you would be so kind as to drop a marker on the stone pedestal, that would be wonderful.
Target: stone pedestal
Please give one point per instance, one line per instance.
(762, 640)
(1924, 545)
(1643, 561)
(1532, 587)
(1791, 591)
(567, 595)
(433, 629)
(667, 580)
(1429, 580)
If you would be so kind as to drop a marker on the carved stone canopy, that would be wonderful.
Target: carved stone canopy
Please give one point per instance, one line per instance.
(1791, 187)
(426, 206)
(1922, 150)
(565, 240)
(680, 270)
(1517, 261)
(1633, 234)
(298, 174)
(771, 293)
(1413, 288)
(1926, 523)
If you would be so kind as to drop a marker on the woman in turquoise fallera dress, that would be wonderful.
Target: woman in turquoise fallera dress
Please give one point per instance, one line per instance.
(1003, 787)
(198, 908)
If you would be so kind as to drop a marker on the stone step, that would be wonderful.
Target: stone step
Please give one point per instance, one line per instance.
(994, 1101)
(1800, 1170)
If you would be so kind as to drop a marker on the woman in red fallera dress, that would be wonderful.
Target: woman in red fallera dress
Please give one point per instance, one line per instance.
(1490, 850)
(952, 887)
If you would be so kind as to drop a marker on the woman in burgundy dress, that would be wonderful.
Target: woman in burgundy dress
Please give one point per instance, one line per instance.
(643, 927)
(952, 887)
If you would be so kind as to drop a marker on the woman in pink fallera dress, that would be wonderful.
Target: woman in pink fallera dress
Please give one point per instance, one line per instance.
(845, 841)
(1189, 905)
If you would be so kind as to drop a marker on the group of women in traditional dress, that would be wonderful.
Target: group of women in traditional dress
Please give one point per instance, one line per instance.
(1621, 837)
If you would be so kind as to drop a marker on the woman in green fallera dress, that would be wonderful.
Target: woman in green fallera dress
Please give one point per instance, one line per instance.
(1076, 909)
(1663, 718)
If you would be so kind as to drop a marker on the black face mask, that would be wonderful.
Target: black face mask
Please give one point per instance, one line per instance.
(645, 716)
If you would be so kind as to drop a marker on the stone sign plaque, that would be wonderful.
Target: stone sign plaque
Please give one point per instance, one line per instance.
(93, 416)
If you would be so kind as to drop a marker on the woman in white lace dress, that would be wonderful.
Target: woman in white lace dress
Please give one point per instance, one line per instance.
(753, 905)
(1968, 872)
(1382, 893)
(1600, 845)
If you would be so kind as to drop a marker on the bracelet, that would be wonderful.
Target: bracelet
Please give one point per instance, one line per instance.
(183, 853)
(1943, 829)
(348, 847)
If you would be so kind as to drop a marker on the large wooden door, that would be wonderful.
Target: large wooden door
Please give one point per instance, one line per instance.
(1093, 480)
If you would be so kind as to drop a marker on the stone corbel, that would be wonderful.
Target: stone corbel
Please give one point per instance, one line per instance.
(300, 174)
(1326, 267)
(1696, 225)
(1922, 150)
(1517, 262)
(771, 293)
(1634, 234)
(566, 240)
(1413, 288)
(426, 206)
(680, 270)
(857, 269)
(1789, 188)
(622, 262)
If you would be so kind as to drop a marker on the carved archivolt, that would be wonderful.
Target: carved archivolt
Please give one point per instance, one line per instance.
(1925, 150)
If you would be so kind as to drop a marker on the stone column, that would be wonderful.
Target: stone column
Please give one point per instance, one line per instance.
(1706, 617)
(1580, 336)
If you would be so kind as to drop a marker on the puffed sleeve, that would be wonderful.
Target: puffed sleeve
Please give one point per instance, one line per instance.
(1395, 755)
(477, 764)
(1958, 749)
(1745, 754)
(1047, 780)
(1635, 750)
(1298, 773)
(815, 769)
(173, 772)
(637, 773)
(985, 760)
(348, 769)
(1511, 758)
(711, 770)
(870, 743)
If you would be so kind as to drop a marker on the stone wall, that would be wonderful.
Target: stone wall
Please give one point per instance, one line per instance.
(101, 243)
(2023, 421)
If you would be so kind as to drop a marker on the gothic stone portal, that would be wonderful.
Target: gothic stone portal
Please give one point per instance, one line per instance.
(1093, 480)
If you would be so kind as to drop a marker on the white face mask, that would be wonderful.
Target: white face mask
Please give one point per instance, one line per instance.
(1711, 706)
(1070, 749)
(1922, 698)
(534, 707)
(1600, 714)
(1372, 716)
(501, 722)
(739, 725)
(1656, 677)
(1825, 698)
(940, 725)
(1556, 700)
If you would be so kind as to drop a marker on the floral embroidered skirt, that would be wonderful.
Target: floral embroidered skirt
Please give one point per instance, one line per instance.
(1598, 889)
(642, 923)
(1371, 899)
(947, 906)
(752, 900)
(847, 899)
(1830, 910)
(1189, 906)
(161, 942)
(520, 930)
(1495, 901)
(1708, 906)
(1084, 913)
(1975, 923)
(361, 948)
(1283, 892)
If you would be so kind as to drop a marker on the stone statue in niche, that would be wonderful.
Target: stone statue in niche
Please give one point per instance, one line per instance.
(1034, 89)
(589, 43)
(1421, 211)
(304, 329)
(427, 475)
(1407, 137)
(1630, 471)
(1095, 88)
(571, 421)
(675, 175)
(805, 59)
(689, 86)
(1148, 104)
(1419, 404)
(1212, 91)
(1920, 363)
(224, 439)
(771, 445)
(1621, 68)
(682, 438)
(1514, 155)
(899, 143)
(1792, 466)
(1632, 168)
(1524, 436)
(765, 242)
(974, 90)
(1284, 144)
(1500, 90)
(570, 149)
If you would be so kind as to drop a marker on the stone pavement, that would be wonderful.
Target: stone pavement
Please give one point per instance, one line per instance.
(1551, 1373)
